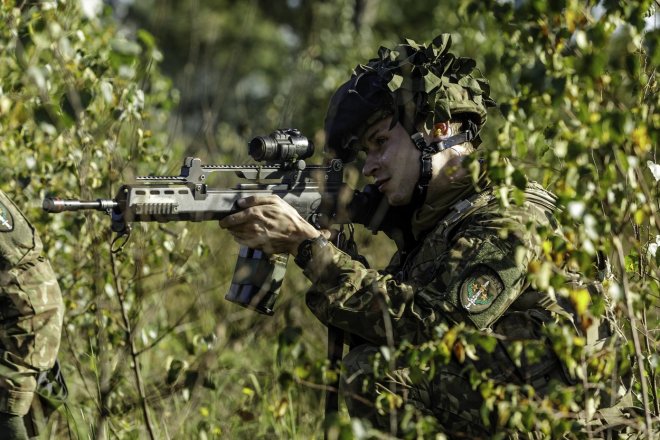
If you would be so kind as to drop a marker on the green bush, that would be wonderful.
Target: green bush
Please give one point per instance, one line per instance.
(151, 349)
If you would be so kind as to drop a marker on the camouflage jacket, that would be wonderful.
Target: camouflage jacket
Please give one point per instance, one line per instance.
(471, 268)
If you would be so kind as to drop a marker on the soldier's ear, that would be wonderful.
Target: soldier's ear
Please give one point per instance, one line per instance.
(440, 130)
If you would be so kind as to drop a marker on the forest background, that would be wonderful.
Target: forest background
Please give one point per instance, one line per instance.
(93, 94)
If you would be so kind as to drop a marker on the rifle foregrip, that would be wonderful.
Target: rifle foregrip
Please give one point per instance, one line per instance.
(54, 205)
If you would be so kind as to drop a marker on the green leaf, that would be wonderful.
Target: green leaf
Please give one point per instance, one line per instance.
(519, 179)
(125, 47)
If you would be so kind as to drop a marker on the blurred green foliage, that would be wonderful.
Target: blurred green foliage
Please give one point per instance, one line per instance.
(90, 100)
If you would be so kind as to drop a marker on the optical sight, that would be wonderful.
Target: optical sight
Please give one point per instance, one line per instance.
(283, 145)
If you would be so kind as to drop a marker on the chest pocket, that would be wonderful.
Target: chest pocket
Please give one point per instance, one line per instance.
(426, 267)
(426, 264)
(485, 282)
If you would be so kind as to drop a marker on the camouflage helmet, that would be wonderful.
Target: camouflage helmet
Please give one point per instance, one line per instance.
(415, 84)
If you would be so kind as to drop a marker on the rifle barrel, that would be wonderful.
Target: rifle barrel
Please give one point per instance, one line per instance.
(58, 205)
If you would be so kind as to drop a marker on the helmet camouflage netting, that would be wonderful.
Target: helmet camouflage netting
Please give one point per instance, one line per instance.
(413, 82)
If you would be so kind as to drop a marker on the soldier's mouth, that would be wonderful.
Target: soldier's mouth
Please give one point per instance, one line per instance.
(380, 183)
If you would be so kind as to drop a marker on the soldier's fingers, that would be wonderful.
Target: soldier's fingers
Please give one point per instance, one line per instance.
(233, 220)
(249, 240)
(250, 201)
(241, 238)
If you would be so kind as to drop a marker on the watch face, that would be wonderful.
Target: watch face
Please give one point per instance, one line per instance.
(304, 253)
(305, 250)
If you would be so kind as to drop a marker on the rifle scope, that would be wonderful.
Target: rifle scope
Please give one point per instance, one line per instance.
(282, 145)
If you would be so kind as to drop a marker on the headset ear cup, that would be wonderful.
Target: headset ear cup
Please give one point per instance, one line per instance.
(473, 130)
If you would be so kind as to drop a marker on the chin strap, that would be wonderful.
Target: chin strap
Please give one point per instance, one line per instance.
(425, 165)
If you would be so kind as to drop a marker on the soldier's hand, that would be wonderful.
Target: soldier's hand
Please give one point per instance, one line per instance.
(270, 224)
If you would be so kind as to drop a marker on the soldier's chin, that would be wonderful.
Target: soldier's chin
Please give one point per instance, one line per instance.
(397, 199)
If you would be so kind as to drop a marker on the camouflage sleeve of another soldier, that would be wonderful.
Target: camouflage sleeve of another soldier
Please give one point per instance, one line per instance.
(31, 313)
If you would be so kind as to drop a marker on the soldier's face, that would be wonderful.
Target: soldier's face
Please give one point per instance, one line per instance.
(392, 160)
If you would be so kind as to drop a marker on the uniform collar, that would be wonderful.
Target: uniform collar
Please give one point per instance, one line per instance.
(437, 206)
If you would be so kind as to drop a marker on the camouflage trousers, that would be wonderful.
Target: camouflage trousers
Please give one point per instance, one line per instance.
(31, 310)
(449, 397)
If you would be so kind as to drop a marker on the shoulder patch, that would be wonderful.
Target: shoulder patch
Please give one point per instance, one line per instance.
(479, 289)
(6, 220)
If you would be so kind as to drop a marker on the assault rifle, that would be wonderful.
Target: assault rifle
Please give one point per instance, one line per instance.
(317, 192)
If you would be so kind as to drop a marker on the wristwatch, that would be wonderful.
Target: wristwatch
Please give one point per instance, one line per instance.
(305, 250)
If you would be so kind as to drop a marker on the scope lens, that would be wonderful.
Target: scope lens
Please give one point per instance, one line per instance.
(280, 146)
(263, 148)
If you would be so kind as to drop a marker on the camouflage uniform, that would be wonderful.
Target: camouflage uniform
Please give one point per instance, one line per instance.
(31, 310)
(469, 264)
(470, 268)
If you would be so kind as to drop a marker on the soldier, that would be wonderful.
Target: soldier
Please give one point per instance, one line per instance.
(31, 314)
(416, 113)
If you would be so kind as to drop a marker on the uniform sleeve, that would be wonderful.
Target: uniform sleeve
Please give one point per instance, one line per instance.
(358, 300)
(31, 308)
(473, 279)
(485, 271)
